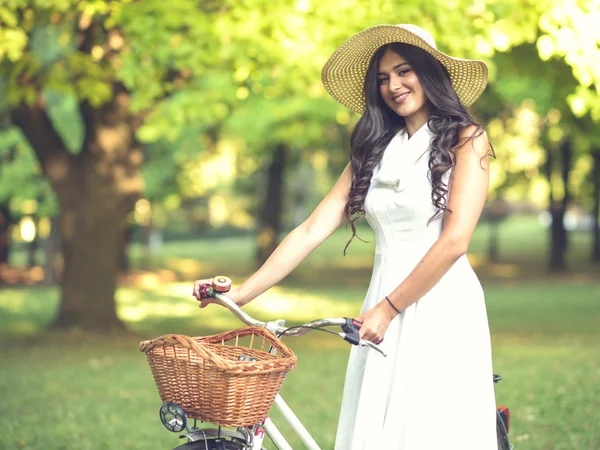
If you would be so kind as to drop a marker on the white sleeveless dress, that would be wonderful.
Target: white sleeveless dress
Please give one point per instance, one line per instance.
(434, 390)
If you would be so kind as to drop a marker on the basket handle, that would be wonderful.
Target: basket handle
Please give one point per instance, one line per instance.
(186, 342)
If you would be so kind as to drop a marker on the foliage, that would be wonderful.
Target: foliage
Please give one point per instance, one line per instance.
(212, 87)
(254, 66)
(22, 186)
(570, 31)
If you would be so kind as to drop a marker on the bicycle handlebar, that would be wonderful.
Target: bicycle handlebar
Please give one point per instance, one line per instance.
(275, 328)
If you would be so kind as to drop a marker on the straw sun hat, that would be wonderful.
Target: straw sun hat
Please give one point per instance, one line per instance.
(344, 73)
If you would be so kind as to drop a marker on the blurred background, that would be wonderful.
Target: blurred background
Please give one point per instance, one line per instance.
(145, 144)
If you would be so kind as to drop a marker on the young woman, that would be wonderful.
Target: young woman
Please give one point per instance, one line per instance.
(418, 173)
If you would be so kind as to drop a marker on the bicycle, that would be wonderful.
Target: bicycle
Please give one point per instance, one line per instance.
(251, 437)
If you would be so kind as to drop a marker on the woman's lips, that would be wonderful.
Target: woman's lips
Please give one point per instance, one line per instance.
(400, 97)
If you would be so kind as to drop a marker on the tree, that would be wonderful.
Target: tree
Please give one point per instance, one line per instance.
(23, 190)
(147, 71)
(100, 59)
(565, 35)
(588, 140)
(596, 206)
(548, 82)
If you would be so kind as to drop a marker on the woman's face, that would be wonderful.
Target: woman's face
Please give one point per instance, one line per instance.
(399, 86)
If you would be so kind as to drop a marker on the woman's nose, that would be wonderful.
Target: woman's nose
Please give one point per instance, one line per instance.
(395, 83)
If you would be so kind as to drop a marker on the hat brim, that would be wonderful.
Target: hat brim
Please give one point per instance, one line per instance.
(344, 73)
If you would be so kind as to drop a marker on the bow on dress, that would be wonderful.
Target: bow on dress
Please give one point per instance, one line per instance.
(397, 166)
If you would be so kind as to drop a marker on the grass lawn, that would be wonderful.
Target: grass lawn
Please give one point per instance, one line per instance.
(80, 391)
(523, 245)
(74, 391)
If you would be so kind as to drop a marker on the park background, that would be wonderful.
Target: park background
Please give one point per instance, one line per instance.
(145, 144)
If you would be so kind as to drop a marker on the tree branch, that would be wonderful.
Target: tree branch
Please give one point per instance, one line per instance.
(36, 126)
(85, 32)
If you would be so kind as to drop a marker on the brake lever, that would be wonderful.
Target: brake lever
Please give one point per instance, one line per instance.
(350, 329)
(373, 346)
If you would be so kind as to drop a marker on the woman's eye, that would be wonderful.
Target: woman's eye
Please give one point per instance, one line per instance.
(381, 80)
(403, 72)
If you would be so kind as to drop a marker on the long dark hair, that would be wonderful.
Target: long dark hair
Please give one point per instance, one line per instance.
(379, 124)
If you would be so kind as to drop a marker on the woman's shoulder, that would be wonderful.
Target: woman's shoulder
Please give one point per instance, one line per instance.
(473, 131)
(475, 138)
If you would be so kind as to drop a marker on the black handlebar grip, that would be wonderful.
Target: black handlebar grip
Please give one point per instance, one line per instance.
(350, 329)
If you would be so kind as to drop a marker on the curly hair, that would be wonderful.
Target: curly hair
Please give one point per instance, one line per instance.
(379, 124)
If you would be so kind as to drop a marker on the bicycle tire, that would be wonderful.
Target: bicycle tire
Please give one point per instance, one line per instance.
(501, 433)
(212, 444)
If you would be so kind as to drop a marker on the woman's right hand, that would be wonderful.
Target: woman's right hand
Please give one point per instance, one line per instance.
(205, 300)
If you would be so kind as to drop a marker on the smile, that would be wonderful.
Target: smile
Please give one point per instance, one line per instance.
(399, 98)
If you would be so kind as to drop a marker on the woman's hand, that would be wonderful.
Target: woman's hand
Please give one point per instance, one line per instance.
(233, 294)
(375, 322)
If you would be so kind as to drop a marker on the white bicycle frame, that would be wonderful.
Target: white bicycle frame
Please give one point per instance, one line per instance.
(290, 417)
(269, 427)
(278, 329)
(275, 435)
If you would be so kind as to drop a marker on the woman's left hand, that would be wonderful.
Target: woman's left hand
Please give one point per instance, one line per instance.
(375, 322)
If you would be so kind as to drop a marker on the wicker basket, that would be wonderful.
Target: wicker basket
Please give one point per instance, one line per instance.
(204, 376)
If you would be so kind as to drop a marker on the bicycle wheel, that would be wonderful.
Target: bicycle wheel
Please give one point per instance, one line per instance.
(212, 444)
(501, 433)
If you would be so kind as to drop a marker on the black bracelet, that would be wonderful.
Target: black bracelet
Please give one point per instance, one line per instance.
(392, 305)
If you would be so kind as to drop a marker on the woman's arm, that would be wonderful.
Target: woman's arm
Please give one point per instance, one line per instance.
(300, 242)
(468, 190)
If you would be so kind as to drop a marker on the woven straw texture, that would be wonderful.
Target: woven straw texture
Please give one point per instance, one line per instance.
(344, 73)
(204, 376)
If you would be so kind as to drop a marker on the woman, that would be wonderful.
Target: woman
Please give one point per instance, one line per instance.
(419, 175)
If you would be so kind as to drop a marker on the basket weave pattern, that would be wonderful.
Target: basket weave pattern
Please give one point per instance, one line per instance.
(204, 376)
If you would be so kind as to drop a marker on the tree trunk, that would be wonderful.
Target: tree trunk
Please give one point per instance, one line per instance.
(557, 233)
(493, 241)
(32, 247)
(146, 249)
(4, 236)
(95, 189)
(92, 226)
(497, 213)
(558, 208)
(596, 208)
(124, 265)
(5, 218)
(270, 217)
(52, 265)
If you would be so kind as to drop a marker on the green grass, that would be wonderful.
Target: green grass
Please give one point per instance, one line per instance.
(523, 253)
(73, 391)
(78, 391)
